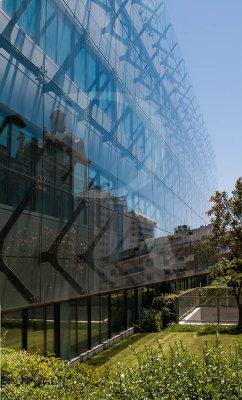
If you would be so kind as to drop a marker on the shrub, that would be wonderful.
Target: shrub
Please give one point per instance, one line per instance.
(151, 321)
(31, 376)
(160, 374)
(180, 374)
(167, 306)
(206, 329)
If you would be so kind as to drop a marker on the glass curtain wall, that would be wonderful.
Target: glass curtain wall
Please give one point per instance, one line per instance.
(105, 168)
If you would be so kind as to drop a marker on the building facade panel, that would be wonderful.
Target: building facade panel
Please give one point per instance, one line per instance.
(105, 159)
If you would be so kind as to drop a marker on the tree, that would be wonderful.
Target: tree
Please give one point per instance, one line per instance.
(204, 251)
(226, 219)
(229, 273)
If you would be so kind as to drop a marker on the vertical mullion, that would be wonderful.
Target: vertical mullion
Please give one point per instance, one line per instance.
(37, 35)
(125, 311)
(136, 315)
(100, 319)
(76, 316)
(45, 330)
(89, 315)
(57, 329)
(24, 329)
(109, 317)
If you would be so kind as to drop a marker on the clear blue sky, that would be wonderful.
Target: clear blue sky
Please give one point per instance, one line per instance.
(210, 36)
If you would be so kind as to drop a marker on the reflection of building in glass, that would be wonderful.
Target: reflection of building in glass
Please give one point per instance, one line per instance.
(143, 224)
(164, 258)
(103, 153)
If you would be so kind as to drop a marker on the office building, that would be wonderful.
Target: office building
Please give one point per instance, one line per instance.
(104, 153)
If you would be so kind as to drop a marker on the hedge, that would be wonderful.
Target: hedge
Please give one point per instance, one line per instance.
(173, 374)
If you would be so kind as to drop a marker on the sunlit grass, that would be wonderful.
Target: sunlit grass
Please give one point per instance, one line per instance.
(123, 352)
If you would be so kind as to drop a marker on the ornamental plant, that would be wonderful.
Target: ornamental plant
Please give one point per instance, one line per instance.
(226, 219)
(167, 306)
(173, 374)
(225, 216)
(229, 273)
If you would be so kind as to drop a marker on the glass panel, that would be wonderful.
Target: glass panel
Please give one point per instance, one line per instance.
(104, 318)
(152, 294)
(127, 181)
(36, 330)
(102, 156)
(73, 329)
(65, 219)
(8, 7)
(21, 127)
(159, 203)
(95, 320)
(82, 325)
(80, 68)
(3, 186)
(51, 32)
(117, 313)
(104, 239)
(29, 16)
(145, 188)
(127, 126)
(130, 308)
(140, 294)
(50, 330)
(11, 330)
(19, 189)
(65, 330)
(64, 40)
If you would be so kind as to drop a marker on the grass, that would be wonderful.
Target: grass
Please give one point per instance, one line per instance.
(192, 337)
(123, 352)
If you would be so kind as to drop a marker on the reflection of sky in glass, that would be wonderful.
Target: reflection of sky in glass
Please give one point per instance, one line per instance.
(121, 157)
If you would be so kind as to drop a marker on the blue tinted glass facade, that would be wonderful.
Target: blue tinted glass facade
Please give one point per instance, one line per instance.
(103, 150)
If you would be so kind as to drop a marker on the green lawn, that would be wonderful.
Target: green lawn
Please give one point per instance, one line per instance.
(123, 352)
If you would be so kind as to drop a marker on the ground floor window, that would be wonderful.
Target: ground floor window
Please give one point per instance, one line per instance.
(69, 328)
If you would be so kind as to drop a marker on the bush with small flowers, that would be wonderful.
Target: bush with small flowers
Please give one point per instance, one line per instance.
(170, 374)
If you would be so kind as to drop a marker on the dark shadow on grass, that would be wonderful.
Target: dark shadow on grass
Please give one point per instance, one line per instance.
(116, 348)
